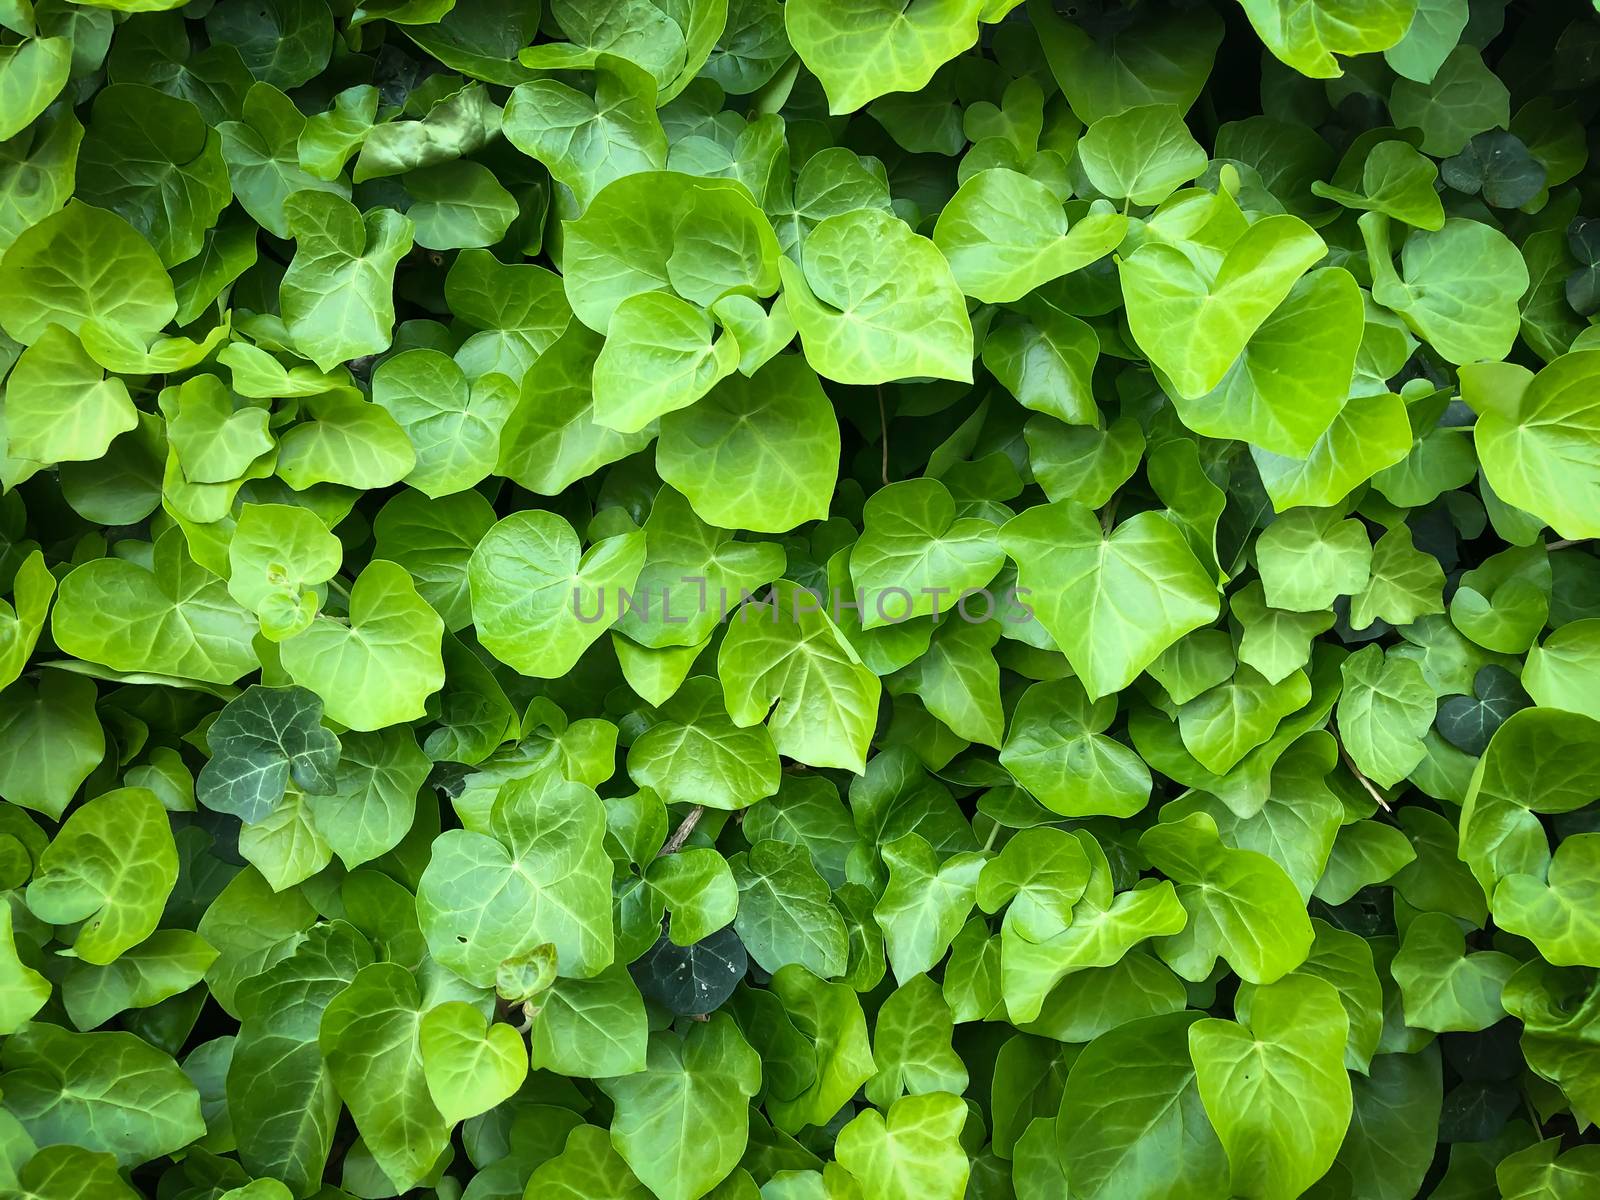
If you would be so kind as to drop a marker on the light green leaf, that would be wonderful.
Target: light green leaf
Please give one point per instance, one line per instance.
(169, 961)
(540, 875)
(1385, 708)
(1308, 35)
(537, 603)
(1564, 672)
(1224, 723)
(347, 441)
(1276, 1090)
(702, 1080)
(278, 555)
(913, 1153)
(82, 264)
(1556, 914)
(50, 741)
(1112, 603)
(372, 802)
(1368, 434)
(454, 121)
(672, 48)
(1290, 382)
(875, 302)
(913, 544)
(591, 1027)
(66, 1172)
(863, 49)
(1397, 181)
(784, 661)
(586, 141)
(925, 903)
(1311, 556)
(453, 425)
(661, 354)
(1434, 32)
(1081, 462)
(1405, 583)
(1058, 749)
(1543, 1172)
(1241, 905)
(112, 866)
(1194, 323)
(1456, 288)
(1047, 363)
(785, 915)
(263, 157)
(699, 239)
(551, 438)
(911, 1045)
(699, 890)
(1131, 1121)
(1142, 154)
(693, 573)
(1444, 987)
(32, 74)
(23, 991)
(380, 668)
(697, 755)
(371, 1036)
(1365, 853)
(518, 310)
(337, 295)
(1005, 234)
(760, 453)
(37, 168)
(1103, 929)
(110, 1093)
(458, 205)
(469, 1065)
(1535, 438)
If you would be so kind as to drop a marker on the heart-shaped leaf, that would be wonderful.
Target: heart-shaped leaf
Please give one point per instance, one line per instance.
(261, 742)
(470, 1065)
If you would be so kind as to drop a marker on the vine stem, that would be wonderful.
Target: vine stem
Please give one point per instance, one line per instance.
(883, 425)
(1372, 791)
(680, 835)
(1565, 542)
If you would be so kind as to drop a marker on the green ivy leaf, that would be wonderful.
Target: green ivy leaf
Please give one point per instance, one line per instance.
(1140, 585)
(381, 667)
(112, 866)
(702, 1080)
(539, 876)
(1289, 1059)
(371, 1036)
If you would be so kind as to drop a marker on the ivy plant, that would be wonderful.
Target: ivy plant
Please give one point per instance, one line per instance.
(799, 600)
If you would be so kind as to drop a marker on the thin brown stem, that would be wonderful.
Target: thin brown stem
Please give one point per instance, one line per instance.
(1349, 762)
(1565, 542)
(680, 835)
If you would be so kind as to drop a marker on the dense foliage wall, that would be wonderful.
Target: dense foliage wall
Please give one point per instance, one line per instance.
(841, 600)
